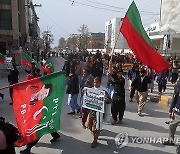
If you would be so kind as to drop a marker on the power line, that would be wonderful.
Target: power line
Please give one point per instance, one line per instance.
(102, 8)
(123, 10)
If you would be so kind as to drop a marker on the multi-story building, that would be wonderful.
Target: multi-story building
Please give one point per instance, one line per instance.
(12, 25)
(96, 41)
(113, 37)
(18, 25)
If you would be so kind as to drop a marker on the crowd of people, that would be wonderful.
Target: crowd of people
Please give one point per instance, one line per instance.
(87, 71)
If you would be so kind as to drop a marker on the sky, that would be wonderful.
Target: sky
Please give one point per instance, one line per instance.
(64, 17)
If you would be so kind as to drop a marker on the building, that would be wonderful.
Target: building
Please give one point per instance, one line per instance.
(166, 44)
(96, 41)
(18, 25)
(113, 38)
(13, 31)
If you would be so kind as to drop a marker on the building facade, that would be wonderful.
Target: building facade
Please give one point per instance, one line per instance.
(113, 38)
(96, 41)
(18, 26)
(166, 44)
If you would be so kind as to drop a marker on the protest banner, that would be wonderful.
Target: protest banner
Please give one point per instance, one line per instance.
(93, 99)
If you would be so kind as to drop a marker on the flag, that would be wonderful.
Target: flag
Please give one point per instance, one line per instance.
(2, 58)
(27, 60)
(139, 42)
(37, 106)
(47, 66)
(170, 18)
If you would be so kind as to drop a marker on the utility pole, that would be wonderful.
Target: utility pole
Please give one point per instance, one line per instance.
(47, 40)
(35, 29)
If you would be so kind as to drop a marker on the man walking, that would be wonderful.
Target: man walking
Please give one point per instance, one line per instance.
(141, 85)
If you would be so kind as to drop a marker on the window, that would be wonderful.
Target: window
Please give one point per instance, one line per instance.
(5, 2)
(5, 20)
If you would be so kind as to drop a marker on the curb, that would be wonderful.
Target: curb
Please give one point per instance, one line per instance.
(165, 100)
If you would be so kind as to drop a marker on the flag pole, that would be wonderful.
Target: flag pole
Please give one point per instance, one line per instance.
(115, 43)
(10, 86)
(110, 62)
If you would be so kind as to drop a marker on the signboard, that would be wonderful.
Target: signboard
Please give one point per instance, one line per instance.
(8, 62)
(93, 99)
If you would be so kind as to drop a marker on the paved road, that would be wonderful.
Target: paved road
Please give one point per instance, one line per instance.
(76, 140)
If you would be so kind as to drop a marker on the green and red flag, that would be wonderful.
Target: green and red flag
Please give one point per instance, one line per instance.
(27, 60)
(139, 42)
(47, 66)
(37, 106)
(2, 58)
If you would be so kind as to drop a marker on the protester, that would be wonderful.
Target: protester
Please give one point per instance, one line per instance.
(162, 81)
(151, 75)
(66, 68)
(97, 68)
(175, 71)
(132, 73)
(13, 78)
(95, 119)
(73, 90)
(8, 136)
(141, 85)
(174, 113)
(118, 99)
(87, 81)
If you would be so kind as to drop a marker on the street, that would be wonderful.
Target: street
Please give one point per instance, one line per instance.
(74, 139)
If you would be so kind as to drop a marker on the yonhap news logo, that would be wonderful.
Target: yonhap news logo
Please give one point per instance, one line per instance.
(122, 140)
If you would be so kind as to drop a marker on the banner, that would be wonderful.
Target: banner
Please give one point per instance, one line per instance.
(93, 99)
(37, 106)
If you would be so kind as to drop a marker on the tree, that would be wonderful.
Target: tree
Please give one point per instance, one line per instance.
(72, 42)
(48, 39)
(83, 37)
(62, 43)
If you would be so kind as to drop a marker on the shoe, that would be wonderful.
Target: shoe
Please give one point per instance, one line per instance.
(114, 122)
(54, 139)
(78, 111)
(170, 143)
(71, 113)
(84, 126)
(139, 114)
(130, 100)
(119, 122)
(26, 151)
(93, 144)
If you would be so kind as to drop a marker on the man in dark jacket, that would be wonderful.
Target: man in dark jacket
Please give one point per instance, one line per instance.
(118, 99)
(13, 78)
(73, 90)
(141, 85)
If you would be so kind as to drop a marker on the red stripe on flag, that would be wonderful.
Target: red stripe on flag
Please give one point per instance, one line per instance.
(143, 51)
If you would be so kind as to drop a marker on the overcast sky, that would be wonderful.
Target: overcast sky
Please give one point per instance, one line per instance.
(64, 17)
